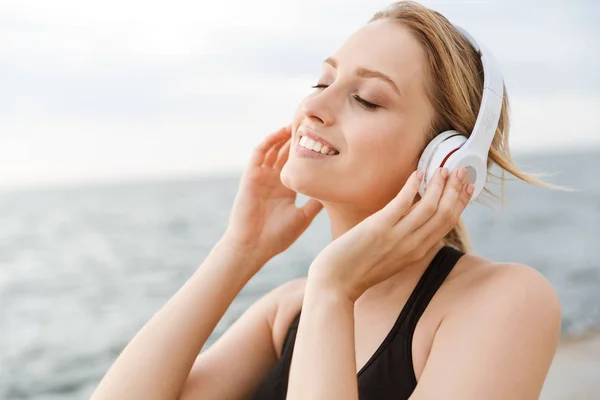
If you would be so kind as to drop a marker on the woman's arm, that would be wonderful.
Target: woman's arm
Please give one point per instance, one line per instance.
(324, 362)
(393, 238)
(157, 361)
(264, 222)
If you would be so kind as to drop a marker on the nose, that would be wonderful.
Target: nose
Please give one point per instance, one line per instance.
(320, 106)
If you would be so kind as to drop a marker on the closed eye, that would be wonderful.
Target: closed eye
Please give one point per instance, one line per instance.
(366, 104)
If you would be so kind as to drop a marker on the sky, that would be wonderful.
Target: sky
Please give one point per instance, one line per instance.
(127, 90)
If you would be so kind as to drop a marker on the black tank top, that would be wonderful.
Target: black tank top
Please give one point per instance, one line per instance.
(389, 373)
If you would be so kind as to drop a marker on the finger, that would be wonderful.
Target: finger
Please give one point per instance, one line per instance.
(311, 209)
(273, 153)
(283, 155)
(453, 202)
(260, 151)
(400, 204)
(428, 205)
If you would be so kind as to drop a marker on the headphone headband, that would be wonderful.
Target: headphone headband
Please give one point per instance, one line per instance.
(484, 130)
(452, 149)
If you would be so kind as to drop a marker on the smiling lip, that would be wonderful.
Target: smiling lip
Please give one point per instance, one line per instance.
(306, 153)
(304, 131)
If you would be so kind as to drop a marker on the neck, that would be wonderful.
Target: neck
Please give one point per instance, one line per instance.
(344, 217)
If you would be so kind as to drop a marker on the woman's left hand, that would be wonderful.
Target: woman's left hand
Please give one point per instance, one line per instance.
(394, 237)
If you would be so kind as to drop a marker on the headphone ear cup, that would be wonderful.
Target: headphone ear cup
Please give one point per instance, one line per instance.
(436, 153)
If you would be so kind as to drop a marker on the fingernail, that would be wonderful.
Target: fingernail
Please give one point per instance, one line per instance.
(420, 175)
(444, 173)
(470, 188)
(461, 173)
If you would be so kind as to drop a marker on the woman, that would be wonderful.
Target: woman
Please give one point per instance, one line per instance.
(395, 307)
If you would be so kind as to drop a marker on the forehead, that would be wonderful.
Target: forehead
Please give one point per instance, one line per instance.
(388, 47)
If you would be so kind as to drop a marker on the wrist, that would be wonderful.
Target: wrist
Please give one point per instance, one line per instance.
(247, 255)
(322, 293)
(322, 282)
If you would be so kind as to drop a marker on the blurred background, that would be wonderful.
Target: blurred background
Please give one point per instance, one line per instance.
(125, 125)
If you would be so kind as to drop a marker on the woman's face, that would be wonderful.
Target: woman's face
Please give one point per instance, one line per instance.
(370, 106)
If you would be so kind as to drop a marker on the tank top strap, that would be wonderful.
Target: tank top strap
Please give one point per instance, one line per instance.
(428, 284)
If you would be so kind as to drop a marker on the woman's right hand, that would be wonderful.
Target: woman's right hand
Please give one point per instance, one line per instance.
(265, 220)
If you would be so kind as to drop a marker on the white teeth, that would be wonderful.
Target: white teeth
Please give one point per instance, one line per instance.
(315, 146)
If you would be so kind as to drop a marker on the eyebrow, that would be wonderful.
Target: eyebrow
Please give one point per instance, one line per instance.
(368, 73)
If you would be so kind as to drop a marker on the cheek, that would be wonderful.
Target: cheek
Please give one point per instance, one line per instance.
(373, 143)
(298, 115)
(382, 159)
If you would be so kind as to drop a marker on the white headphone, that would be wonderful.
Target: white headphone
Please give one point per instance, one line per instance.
(452, 149)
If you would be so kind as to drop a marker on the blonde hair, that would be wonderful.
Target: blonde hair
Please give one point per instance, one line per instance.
(454, 85)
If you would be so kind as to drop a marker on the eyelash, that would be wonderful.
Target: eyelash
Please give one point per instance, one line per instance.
(363, 102)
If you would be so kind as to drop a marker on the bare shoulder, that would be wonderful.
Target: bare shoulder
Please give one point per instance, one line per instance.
(507, 294)
(503, 323)
(508, 283)
(288, 297)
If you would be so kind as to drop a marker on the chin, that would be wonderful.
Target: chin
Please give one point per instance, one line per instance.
(308, 184)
